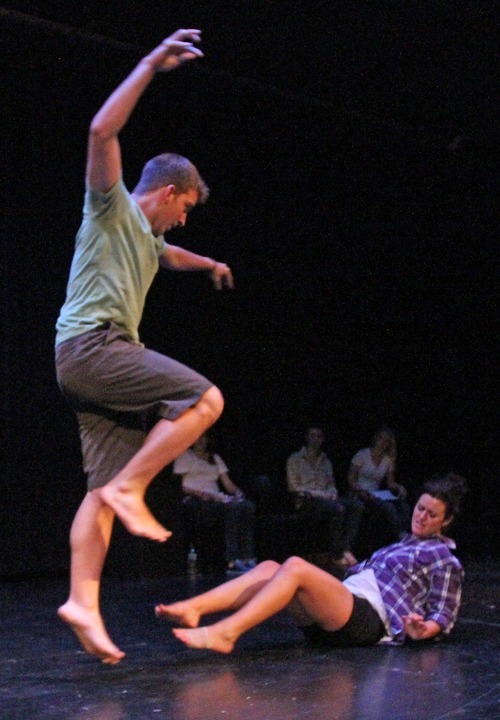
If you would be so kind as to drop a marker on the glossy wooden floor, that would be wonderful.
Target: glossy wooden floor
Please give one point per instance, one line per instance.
(271, 675)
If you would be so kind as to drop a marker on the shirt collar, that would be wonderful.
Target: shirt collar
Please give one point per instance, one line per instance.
(449, 542)
(303, 453)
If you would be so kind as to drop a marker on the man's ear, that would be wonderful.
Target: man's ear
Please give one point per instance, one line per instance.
(168, 191)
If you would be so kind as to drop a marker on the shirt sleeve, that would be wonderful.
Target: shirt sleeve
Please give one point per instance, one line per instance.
(182, 464)
(444, 597)
(330, 485)
(101, 204)
(329, 470)
(293, 474)
(220, 464)
(358, 459)
(390, 465)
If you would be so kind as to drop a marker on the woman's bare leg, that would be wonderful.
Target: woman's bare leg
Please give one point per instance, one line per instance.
(90, 537)
(166, 441)
(322, 599)
(228, 596)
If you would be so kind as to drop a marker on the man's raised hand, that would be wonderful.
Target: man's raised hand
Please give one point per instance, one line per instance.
(176, 49)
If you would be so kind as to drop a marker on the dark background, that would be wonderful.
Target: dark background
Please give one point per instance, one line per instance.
(351, 150)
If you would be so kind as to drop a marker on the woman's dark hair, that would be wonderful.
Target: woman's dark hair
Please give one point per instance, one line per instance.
(449, 488)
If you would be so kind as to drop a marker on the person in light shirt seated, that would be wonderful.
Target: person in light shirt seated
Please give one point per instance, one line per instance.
(311, 482)
(213, 496)
(371, 480)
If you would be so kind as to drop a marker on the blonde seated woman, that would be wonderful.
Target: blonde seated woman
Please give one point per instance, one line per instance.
(410, 589)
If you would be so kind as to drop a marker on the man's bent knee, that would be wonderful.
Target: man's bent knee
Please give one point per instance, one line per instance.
(211, 404)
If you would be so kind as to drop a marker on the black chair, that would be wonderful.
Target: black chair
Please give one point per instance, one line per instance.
(203, 533)
(283, 530)
(372, 535)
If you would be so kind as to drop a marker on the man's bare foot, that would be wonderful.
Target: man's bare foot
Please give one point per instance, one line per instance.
(180, 612)
(205, 638)
(90, 631)
(134, 513)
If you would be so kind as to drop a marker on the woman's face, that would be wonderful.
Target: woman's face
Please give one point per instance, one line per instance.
(383, 441)
(429, 516)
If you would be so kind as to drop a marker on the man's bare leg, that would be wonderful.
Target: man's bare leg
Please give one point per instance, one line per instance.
(229, 596)
(323, 599)
(90, 537)
(166, 441)
(93, 523)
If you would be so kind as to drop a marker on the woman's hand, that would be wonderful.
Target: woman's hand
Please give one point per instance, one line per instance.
(400, 491)
(417, 628)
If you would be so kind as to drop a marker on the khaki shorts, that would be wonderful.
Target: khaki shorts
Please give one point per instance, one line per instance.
(119, 390)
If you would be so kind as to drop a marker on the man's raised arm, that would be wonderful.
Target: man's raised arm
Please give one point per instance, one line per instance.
(104, 167)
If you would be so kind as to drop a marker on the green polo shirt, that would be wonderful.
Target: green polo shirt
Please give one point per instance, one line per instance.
(114, 264)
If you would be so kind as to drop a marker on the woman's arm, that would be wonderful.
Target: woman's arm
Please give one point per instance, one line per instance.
(443, 598)
(395, 487)
(352, 483)
(293, 478)
(206, 495)
(229, 486)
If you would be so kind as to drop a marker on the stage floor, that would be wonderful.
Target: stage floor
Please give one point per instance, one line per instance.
(271, 675)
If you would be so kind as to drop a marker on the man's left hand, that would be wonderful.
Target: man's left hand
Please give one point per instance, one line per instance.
(222, 276)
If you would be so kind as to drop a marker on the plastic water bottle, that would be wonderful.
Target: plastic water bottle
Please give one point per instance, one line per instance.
(192, 563)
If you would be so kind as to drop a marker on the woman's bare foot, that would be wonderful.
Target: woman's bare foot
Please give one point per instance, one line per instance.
(133, 512)
(180, 612)
(205, 638)
(90, 631)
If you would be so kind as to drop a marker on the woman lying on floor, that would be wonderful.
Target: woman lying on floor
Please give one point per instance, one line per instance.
(409, 589)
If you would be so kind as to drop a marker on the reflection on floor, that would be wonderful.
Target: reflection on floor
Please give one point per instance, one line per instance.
(271, 675)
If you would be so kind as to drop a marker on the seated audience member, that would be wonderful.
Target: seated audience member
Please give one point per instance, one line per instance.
(311, 481)
(410, 589)
(210, 491)
(371, 480)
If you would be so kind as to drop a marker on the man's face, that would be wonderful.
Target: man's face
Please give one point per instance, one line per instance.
(315, 437)
(176, 208)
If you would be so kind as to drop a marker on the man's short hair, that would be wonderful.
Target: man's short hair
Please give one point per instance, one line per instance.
(172, 169)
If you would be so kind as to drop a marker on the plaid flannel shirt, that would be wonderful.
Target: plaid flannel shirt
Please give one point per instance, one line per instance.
(420, 576)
